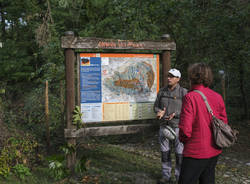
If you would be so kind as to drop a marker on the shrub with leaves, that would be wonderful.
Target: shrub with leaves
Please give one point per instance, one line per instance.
(18, 154)
(58, 169)
(57, 163)
(77, 118)
(21, 171)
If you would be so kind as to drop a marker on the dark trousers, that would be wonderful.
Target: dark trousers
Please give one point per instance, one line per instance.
(194, 170)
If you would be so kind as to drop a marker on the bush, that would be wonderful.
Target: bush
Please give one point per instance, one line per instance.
(21, 171)
(19, 153)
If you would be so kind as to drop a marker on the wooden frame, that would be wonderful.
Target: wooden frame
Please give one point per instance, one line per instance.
(106, 130)
(101, 43)
(69, 42)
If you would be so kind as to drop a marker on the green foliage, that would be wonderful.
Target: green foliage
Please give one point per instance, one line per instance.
(21, 171)
(216, 32)
(68, 149)
(82, 165)
(57, 166)
(57, 163)
(58, 169)
(17, 155)
(28, 114)
(4, 169)
(77, 118)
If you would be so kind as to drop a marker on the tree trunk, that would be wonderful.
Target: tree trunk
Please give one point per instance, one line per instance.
(2, 21)
(242, 91)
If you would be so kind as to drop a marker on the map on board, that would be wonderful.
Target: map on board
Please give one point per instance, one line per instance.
(117, 87)
(129, 80)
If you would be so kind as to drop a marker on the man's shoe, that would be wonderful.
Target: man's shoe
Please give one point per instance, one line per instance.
(164, 181)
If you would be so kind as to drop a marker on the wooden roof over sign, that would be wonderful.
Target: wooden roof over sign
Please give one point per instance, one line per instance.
(101, 43)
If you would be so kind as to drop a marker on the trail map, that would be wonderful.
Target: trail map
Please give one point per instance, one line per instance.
(118, 86)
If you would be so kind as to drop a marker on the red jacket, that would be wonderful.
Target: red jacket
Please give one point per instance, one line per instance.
(195, 122)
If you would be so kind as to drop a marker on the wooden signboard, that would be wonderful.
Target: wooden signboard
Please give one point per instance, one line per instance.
(69, 42)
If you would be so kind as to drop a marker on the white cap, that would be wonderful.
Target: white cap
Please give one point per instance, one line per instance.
(175, 72)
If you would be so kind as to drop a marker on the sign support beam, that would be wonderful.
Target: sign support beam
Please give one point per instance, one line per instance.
(70, 99)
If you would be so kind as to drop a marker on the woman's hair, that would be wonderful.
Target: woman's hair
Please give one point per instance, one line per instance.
(200, 73)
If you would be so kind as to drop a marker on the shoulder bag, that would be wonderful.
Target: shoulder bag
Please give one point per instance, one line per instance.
(224, 135)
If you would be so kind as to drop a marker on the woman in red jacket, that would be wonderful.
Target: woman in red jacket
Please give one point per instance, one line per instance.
(200, 153)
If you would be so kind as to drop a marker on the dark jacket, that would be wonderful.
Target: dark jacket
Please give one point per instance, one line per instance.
(172, 101)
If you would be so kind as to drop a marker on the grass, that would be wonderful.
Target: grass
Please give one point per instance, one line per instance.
(120, 166)
(105, 164)
(39, 176)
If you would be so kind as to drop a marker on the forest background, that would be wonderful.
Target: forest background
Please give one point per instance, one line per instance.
(213, 31)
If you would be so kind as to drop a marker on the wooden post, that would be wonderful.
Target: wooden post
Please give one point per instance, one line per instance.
(47, 115)
(62, 96)
(70, 99)
(62, 104)
(223, 89)
(222, 74)
(78, 93)
(166, 62)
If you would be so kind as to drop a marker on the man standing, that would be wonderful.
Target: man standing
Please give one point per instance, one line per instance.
(167, 107)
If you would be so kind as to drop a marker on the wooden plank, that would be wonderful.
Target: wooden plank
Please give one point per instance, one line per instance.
(70, 102)
(101, 43)
(47, 115)
(166, 65)
(106, 130)
(70, 85)
(78, 92)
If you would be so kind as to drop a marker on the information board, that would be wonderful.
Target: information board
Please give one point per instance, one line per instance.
(115, 87)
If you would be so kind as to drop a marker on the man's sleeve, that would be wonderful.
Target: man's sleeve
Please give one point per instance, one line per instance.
(157, 102)
(186, 120)
(183, 93)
